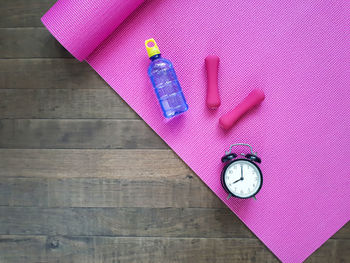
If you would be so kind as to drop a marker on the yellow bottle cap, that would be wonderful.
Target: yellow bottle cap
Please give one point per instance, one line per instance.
(151, 47)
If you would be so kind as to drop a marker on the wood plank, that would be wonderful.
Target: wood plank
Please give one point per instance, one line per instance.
(30, 43)
(48, 74)
(166, 222)
(23, 13)
(84, 134)
(342, 251)
(133, 249)
(160, 193)
(23, 192)
(151, 249)
(97, 192)
(111, 163)
(63, 104)
(145, 194)
(23, 249)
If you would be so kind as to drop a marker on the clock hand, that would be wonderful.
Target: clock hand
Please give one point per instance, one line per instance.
(242, 172)
(240, 179)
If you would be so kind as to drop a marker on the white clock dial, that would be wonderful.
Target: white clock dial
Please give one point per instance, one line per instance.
(242, 178)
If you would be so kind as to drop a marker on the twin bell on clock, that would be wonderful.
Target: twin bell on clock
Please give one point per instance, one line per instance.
(241, 176)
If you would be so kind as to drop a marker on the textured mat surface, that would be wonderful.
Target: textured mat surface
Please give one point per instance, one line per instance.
(296, 51)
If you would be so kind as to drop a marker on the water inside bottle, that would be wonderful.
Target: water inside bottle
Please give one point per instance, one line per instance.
(165, 82)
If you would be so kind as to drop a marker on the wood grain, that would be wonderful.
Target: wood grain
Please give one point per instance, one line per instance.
(30, 43)
(20, 192)
(23, 13)
(93, 163)
(63, 103)
(85, 134)
(23, 192)
(148, 222)
(94, 192)
(135, 249)
(48, 74)
(151, 249)
(341, 252)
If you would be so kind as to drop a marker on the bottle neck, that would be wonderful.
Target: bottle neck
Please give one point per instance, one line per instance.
(155, 57)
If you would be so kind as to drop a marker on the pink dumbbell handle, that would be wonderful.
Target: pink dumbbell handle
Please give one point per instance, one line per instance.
(229, 119)
(213, 97)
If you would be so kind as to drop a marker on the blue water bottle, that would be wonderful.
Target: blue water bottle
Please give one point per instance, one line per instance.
(165, 82)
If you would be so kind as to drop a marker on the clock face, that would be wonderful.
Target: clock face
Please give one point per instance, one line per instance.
(242, 178)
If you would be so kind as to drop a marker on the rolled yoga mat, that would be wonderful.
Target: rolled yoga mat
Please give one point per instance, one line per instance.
(297, 52)
(81, 26)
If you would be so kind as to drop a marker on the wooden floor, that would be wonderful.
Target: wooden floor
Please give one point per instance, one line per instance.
(84, 179)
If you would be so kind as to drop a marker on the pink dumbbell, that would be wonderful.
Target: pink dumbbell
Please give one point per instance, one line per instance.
(229, 119)
(213, 97)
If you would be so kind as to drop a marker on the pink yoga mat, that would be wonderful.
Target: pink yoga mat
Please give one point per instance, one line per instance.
(296, 51)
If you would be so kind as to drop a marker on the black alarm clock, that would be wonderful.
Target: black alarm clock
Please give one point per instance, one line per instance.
(241, 177)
